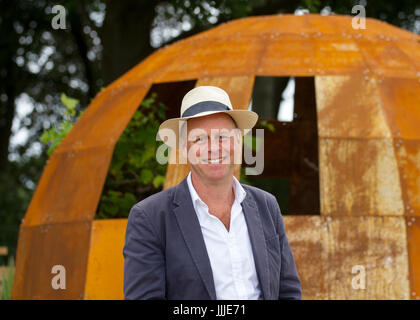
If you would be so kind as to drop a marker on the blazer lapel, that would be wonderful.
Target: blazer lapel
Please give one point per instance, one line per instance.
(191, 231)
(259, 248)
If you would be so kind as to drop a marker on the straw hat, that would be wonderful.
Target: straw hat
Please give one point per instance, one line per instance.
(203, 101)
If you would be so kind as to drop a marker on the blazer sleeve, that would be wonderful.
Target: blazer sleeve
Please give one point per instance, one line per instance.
(290, 287)
(144, 260)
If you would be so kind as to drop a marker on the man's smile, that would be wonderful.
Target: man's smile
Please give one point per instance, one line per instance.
(213, 161)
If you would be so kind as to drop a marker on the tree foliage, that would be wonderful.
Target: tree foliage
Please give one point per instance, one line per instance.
(134, 173)
(56, 134)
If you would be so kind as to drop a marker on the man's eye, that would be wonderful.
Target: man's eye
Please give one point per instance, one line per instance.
(200, 139)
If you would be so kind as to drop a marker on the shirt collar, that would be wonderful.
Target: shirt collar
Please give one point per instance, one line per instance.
(239, 191)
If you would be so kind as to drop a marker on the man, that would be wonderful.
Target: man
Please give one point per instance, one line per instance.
(209, 237)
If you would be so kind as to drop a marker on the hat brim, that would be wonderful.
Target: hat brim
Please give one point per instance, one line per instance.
(245, 120)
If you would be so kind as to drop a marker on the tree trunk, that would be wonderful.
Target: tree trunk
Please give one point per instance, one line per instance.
(78, 19)
(8, 112)
(8, 80)
(125, 36)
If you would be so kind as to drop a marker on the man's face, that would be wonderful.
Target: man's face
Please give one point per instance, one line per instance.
(211, 146)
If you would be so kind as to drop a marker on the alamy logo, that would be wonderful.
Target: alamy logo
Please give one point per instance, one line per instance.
(59, 280)
(59, 20)
(359, 21)
(358, 282)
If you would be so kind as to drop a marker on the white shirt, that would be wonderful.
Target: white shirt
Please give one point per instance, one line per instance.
(230, 252)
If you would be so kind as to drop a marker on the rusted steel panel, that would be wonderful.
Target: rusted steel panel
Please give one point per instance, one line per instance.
(341, 55)
(287, 55)
(378, 244)
(290, 45)
(169, 57)
(240, 91)
(105, 119)
(302, 24)
(408, 158)
(327, 248)
(350, 107)
(309, 24)
(385, 58)
(413, 240)
(374, 29)
(309, 54)
(326, 27)
(412, 50)
(359, 177)
(215, 57)
(42, 247)
(105, 270)
(70, 187)
(304, 235)
(401, 103)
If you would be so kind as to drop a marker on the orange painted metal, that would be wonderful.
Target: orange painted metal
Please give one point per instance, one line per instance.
(368, 96)
(105, 269)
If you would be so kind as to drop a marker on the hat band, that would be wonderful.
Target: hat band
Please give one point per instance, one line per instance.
(204, 106)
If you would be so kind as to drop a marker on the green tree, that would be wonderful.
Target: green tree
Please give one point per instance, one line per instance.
(56, 134)
(134, 173)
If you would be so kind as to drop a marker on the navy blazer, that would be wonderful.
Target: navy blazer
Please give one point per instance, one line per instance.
(165, 256)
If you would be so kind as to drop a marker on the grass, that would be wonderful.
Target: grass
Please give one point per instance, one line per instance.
(7, 281)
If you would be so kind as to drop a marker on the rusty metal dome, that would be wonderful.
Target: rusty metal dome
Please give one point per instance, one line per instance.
(367, 85)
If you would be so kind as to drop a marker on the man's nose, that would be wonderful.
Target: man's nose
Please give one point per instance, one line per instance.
(214, 145)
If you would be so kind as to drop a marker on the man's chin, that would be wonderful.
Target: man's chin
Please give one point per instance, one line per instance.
(216, 171)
